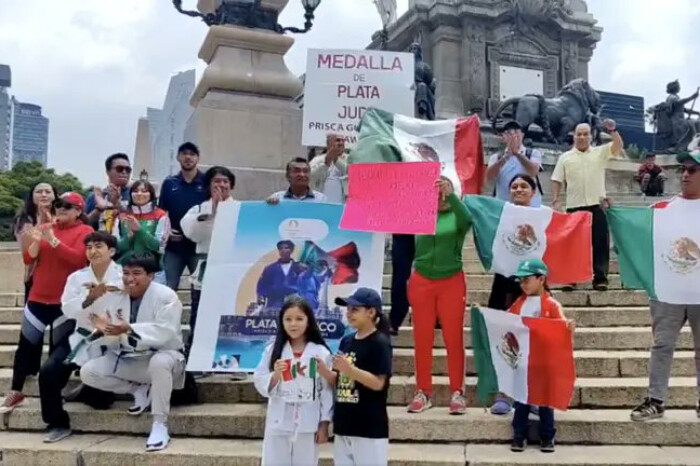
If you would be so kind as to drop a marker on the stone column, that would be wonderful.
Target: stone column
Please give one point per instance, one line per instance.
(245, 116)
(446, 67)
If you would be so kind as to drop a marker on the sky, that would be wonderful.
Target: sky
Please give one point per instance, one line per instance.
(95, 65)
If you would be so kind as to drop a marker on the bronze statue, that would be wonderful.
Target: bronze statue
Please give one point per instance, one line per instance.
(425, 85)
(673, 129)
(236, 12)
(576, 103)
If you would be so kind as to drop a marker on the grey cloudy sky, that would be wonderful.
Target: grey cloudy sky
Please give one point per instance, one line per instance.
(95, 65)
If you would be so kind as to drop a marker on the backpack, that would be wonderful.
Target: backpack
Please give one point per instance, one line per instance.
(528, 154)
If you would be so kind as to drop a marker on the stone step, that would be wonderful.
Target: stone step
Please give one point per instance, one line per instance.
(602, 427)
(473, 266)
(9, 334)
(615, 338)
(584, 316)
(24, 448)
(110, 450)
(589, 363)
(483, 282)
(581, 297)
(589, 392)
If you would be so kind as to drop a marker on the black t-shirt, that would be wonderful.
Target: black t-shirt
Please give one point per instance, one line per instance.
(360, 411)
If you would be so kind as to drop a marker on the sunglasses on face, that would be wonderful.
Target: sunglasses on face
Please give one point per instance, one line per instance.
(691, 169)
(122, 169)
(60, 204)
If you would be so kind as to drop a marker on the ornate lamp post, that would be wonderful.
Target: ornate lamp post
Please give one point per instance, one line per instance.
(252, 14)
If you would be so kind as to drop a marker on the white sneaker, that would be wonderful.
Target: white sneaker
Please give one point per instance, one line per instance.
(159, 438)
(142, 400)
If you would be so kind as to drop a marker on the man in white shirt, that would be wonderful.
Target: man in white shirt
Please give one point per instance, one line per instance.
(329, 171)
(298, 175)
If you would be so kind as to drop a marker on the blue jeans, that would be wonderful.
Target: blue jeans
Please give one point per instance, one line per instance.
(521, 422)
(174, 264)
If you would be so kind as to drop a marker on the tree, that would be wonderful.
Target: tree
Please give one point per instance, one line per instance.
(16, 183)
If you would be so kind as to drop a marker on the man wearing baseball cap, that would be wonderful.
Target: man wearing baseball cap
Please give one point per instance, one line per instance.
(669, 319)
(514, 160)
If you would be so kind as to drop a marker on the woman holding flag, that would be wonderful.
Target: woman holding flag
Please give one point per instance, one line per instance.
(437, 291)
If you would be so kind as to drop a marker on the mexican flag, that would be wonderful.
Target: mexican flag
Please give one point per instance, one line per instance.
(659, 250)
(506, 234)
(530, 360)
(297, 368)
(456, 144)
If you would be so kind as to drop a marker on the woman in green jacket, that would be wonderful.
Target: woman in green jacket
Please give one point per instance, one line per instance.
(437, 291)
(143, 228)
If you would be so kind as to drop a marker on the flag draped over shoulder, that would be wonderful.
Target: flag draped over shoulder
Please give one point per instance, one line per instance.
(456, 144)
(506, 234)
(658, 249)
(528, 359)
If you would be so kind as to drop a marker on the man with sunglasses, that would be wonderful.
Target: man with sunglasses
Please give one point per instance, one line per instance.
(103, 205)
(668, 319)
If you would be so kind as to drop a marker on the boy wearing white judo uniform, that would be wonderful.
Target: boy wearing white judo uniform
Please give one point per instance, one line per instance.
(149, 363)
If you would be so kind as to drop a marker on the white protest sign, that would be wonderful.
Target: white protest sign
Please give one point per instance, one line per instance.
(342, 84)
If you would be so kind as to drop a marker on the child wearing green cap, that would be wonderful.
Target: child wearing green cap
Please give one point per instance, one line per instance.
(536, 301)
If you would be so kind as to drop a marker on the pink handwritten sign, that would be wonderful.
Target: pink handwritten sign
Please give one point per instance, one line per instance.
(392, 198)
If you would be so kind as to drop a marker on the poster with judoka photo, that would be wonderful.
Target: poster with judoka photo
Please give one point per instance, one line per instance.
(262, 254)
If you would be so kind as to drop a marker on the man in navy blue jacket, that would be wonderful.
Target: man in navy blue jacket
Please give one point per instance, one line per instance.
(279, 279)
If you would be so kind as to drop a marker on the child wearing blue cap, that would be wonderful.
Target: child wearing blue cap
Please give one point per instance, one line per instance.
(536, 301)
(361, 374)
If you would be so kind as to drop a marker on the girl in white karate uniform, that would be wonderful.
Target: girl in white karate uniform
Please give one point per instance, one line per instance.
(300, 404)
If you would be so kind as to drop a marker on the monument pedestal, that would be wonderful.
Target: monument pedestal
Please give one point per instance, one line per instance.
(245, 115)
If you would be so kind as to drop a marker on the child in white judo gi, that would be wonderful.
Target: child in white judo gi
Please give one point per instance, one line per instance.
(300, 400)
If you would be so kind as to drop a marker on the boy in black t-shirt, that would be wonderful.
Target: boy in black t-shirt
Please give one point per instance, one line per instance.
(362, 370)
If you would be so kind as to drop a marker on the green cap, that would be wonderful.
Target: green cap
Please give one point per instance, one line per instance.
(532, 267)
(685, 156)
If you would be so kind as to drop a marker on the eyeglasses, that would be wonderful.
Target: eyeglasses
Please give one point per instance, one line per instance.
(122, 169)
(691, 169)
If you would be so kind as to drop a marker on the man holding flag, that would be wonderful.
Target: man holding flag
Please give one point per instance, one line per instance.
(582, 170)
(662, 256)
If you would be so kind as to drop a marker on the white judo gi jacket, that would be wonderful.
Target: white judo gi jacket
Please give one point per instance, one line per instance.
(280, 413)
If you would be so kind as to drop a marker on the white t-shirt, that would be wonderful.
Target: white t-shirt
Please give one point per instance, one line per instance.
(532, 307)
(286, 267)
(333, 189)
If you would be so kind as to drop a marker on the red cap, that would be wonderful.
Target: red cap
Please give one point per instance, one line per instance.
(75, 199)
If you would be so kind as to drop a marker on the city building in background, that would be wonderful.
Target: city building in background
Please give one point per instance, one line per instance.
(30, 133)
(5, 116)
(628, 113)
(24, 131)
(164, 130)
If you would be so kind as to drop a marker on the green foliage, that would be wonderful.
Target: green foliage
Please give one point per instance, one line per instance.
(15, 185)
(635, 153)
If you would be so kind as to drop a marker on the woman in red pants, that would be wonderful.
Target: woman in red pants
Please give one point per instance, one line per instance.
(437, 292)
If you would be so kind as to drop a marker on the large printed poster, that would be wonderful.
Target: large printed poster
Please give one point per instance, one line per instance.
(261, 254)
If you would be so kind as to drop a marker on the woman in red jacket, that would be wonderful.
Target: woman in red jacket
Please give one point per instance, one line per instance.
(58, 250)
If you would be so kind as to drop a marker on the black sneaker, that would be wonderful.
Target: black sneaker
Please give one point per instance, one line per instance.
(697, 410)
(601, 286)
(648, 410)
(568, 288)
(518, 446)
(547, 446)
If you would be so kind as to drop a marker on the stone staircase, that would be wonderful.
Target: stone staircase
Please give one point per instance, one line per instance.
(612, 342)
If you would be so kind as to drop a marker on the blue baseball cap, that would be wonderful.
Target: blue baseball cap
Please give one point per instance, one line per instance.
(364, 297)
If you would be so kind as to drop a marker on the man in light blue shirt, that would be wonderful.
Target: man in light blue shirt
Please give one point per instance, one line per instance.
(299, 176)
(516, 159)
